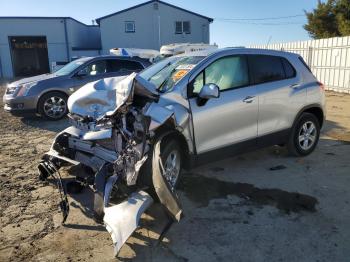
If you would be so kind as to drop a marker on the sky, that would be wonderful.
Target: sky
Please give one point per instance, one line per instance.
(236, 22)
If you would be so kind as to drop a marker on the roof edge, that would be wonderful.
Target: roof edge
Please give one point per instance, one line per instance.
(46, 17)
(152, 1)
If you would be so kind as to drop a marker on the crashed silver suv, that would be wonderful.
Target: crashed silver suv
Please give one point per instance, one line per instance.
(136, 133)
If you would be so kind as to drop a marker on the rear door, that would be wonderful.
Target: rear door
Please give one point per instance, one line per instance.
(231, 118)
(279, 90)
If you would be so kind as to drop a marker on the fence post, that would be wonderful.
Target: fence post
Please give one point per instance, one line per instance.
(309, 57)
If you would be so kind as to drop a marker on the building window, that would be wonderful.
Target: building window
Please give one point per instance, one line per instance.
(130, 27)
(182, 27)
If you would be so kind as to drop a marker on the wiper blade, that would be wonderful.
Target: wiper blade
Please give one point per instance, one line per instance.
(166, 80)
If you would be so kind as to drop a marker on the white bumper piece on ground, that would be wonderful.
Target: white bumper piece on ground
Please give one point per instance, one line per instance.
(121, 220)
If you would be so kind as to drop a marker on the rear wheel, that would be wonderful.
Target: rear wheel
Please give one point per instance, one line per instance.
(304, 136)
(53, 106)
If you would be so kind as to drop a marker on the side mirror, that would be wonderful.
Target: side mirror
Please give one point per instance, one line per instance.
(81, 74)
(209, 91)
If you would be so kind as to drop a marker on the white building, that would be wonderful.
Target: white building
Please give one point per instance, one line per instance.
(151, 25)
(29, 45)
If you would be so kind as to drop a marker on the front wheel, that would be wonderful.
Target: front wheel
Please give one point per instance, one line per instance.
(171, 160)
(53, 106)
(304, 136)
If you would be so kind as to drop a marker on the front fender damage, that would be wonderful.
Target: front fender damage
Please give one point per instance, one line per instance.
(115, 144)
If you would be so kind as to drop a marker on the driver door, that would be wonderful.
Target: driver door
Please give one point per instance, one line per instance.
(233, 116)
(92, 72)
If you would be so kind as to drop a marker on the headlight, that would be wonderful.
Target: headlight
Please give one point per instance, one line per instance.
(24, 89)
(11, 89)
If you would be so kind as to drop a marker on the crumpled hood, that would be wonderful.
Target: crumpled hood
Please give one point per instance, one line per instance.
(104, 97)
(33, 79)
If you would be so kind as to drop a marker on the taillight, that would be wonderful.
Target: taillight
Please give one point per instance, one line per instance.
(321, 86)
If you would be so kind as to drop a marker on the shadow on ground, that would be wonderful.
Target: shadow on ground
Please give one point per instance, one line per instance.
(38, 122)
(336, 131)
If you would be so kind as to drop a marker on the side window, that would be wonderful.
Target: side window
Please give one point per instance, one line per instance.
(115, 65)
(95, 68)
(288, 68)
(265, 68)
(198, 83)
(132, 65)
(227, 73)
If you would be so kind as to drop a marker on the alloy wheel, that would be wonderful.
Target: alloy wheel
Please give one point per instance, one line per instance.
(55, 107)
(307, 135)
(172, 168)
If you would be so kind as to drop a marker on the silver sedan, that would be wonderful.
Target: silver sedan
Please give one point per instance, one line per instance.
(47, 94)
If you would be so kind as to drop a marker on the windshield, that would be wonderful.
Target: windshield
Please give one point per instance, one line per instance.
(166, 73)
(70, 67)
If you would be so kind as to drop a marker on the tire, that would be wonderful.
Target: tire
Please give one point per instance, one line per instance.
(304, 136)
(168, 147)
(53, 106)
(171, 155)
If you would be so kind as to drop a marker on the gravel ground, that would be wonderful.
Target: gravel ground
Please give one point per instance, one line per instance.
(235, 210)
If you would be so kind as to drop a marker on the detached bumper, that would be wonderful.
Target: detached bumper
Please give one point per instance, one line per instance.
(123, 219)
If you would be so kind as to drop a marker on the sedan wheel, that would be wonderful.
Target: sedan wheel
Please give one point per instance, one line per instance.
(53, 106)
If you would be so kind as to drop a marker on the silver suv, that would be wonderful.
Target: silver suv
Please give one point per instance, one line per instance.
(136, 134)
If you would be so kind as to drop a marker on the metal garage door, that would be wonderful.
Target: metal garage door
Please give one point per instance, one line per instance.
(29, 55)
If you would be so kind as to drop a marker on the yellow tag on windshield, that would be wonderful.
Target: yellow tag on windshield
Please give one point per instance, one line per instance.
(179, 74)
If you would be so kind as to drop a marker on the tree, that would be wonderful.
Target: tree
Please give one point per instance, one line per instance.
(329, 19)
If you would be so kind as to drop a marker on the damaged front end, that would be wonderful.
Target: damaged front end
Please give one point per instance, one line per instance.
(114, 134)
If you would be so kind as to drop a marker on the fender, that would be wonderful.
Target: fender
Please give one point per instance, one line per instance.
(305, 108)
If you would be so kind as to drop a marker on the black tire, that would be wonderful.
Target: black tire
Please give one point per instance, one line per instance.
(296, 144)
(168, 145)
(57, 99)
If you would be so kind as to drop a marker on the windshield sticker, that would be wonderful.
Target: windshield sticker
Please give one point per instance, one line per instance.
(179, 74)
(185, 67)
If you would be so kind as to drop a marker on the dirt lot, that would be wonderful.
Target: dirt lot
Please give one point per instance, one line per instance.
(235, 210)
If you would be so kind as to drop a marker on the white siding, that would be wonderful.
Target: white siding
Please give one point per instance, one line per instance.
(85, 38)
(329, 59)
(53, 29)
(148, 21)
(80, 35)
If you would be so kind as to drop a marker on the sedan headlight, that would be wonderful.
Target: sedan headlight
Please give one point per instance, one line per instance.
(24, 89)
(10, 90)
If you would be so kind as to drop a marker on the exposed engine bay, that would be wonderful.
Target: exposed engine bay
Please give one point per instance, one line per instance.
(115, 134)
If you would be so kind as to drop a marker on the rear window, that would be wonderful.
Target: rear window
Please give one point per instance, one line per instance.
(304, 63)
(264, 68)
(288, 68)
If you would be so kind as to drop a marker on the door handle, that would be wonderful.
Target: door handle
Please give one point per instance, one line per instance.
(294, 86)
(248, 99)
